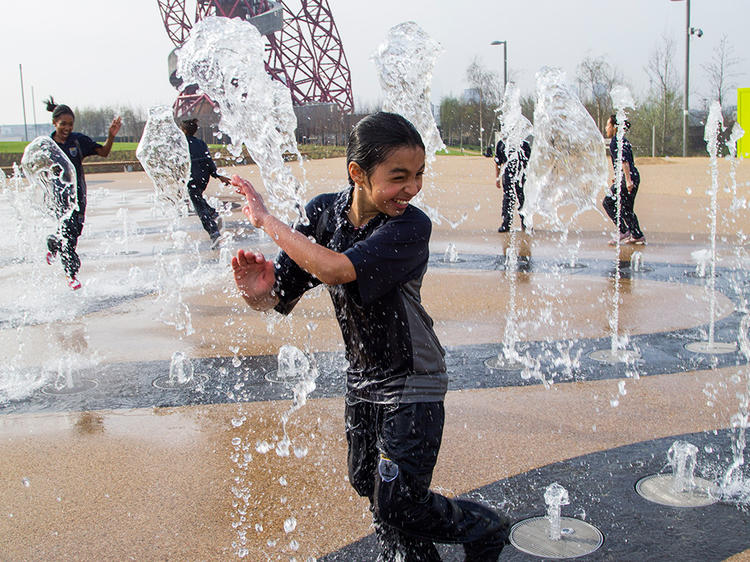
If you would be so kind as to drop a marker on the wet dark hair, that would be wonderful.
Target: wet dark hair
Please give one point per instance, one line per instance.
(190, 126)
(375, 138)
(58, 110)
(613, 118)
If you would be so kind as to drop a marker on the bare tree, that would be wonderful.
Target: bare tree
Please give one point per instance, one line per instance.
(596, 78)
(721, 70)
(664, 92)
(487, 85)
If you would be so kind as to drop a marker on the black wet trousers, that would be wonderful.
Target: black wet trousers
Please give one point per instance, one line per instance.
(205, 212)
(512, 193)
(628, 218)
(65, 244)
(392, 453)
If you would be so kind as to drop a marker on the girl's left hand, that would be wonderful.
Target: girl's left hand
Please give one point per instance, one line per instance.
(255, 210)
(114, 128)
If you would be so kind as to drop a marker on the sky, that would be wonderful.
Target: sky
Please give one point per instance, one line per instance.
(96, 53)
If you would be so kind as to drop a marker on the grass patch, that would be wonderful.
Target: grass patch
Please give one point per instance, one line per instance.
(454, 151)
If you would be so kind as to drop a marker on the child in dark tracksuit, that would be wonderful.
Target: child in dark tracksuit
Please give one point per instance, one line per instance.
(371, 249)
(76, 147)
(202, 167)
(630, 230)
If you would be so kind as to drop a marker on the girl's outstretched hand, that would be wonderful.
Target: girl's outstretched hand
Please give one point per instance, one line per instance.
(255, 210)
(114, 127)
(254, 276)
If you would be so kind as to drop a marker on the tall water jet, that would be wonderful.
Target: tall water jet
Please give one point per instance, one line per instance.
(621, 99)
(225, 58)
(514, 129)
(734, 486)
(712, 131)
(404, 64)
(568, 164)
(164, 154)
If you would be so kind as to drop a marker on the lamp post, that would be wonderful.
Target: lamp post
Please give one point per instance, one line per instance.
(685, 107)
(505, 61)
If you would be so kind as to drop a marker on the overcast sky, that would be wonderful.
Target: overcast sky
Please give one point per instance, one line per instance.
(108, 52)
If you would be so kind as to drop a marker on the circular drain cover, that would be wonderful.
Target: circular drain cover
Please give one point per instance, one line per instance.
(78, 386)
(502, 364)
(619, 356)
(578, 538)
(166, 384)
(657, 488)
(714, 348)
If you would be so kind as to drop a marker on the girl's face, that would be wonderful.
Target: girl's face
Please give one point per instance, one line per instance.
(63, 127)
(610, 129)
(393, 182)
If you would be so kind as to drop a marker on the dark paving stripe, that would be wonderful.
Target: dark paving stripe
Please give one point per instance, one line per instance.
(601, 488)
(129, 385)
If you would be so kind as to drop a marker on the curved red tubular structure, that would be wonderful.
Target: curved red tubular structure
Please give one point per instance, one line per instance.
(306, 54)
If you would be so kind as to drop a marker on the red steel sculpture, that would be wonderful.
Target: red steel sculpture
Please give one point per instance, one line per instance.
(303, 49)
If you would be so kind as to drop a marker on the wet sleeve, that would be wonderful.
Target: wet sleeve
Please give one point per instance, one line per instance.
(88, 145)
(292, 282)
(394, 254)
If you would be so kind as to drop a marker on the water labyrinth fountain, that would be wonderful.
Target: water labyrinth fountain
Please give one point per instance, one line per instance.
(211, 432)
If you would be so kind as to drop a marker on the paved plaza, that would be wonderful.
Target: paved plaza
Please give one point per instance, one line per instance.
(104, 456)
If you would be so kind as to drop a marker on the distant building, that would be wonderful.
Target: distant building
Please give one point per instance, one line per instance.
(17, 132)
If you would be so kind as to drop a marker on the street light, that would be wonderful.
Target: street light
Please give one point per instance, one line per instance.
(688, 32)
(505, 61)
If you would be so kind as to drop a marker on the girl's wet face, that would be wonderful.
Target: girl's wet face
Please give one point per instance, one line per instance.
(63, 127)
(395, 181)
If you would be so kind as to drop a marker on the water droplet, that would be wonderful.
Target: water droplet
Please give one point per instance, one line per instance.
(290, 525)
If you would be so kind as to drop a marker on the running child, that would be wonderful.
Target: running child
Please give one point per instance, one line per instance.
(76, 147)
(371, 249)
(630, 230)
(202, 167)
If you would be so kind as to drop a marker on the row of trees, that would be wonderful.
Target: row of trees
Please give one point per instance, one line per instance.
(471, 120)
(656, 121)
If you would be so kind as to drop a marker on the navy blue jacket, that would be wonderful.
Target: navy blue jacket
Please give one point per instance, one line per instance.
(394, 355)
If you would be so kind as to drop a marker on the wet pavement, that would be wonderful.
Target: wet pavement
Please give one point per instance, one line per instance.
(102, 456)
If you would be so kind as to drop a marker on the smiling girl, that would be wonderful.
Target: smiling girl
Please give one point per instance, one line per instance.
(76, 147)
(370, 247)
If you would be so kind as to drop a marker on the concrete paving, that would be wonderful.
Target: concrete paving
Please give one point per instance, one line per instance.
(102, 457)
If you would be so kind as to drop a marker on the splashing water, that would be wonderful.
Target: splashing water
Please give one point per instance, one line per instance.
(731, 144)
(292, 363)
(568, 164)
(555, 496)
(404, 64)
(734, 486)
(163, 151)
(714, 126)
(514, 128)
(681, 457)
(225, 58)
(451, 254)
(181, 369)
(50, 170)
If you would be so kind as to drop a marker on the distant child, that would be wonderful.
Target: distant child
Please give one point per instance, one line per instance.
(630, 230)
(76, 147)
(510, 175)
(371, 247)
(202, 167)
